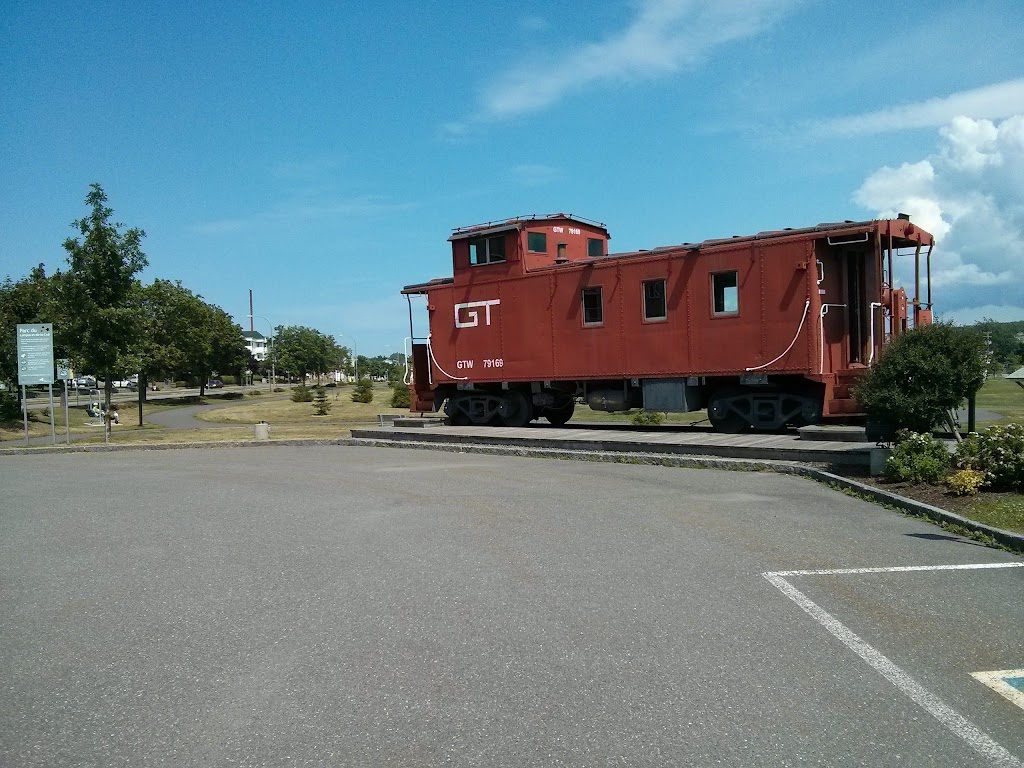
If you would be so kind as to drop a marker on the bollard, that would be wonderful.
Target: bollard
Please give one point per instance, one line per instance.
(262, 430)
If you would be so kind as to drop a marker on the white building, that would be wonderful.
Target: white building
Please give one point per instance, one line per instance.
(256, 343)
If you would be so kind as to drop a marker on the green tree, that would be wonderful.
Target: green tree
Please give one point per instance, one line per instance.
(100, 295)
(173, 324)
(401, 397)
(29, 300)
(185, 336)
(923, 374)
(1004, 346)
(221, 347)
(320, 402)
(363, 391)
(302, 351)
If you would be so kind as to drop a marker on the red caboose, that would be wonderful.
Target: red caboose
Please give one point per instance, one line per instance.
(764, 331)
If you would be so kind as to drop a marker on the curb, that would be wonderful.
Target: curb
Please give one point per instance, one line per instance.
(1007, 539)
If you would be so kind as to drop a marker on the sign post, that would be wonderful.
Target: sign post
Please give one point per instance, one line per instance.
(64, 374)
(35, 364)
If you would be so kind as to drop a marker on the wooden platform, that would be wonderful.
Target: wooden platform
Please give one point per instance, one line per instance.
(680, 440)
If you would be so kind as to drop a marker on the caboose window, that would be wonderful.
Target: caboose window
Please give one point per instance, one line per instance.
(593, 306)
(726, 293)
(595, 248)
(537, 242)
(486, 250)
(654, 300)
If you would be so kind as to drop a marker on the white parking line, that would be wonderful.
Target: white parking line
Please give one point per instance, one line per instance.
(997, 681)
(897, 569)
(956, 723)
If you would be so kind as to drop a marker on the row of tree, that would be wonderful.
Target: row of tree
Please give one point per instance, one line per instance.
(306, 353)
(1005, 344)
(108, 324)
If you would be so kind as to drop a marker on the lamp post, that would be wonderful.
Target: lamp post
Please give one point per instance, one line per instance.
(273, 377)
(355, 354)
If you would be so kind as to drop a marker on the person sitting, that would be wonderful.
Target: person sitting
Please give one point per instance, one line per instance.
(93, 410)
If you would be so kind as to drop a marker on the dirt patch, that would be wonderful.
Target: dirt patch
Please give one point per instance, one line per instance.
(941, 497)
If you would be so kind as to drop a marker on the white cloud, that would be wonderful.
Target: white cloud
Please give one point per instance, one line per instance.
(665, 36)
(994, 102)
(969, 193)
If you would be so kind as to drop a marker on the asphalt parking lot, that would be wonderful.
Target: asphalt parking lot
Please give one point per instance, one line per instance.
(350, 606)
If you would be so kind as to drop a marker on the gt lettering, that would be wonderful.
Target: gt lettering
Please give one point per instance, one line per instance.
(463, 365)
(470, 318)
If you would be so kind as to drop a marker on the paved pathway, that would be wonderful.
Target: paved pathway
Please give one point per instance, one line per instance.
(185, 418)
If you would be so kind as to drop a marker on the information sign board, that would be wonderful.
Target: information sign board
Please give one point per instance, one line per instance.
(35, 353)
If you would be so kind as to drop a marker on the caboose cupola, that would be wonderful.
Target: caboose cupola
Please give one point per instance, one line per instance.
(528, 243)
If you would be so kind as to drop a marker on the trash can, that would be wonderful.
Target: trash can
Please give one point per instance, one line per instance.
(262, 430)
(879, 456)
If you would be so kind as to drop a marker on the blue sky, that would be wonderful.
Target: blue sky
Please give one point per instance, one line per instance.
(320, 153)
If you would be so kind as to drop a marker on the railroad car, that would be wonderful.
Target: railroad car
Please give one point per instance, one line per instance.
(764, 331)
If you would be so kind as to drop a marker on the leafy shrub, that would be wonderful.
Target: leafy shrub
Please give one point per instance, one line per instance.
(648, 418)
(922, 374)
(255, 392)
(279, 389)
(917, 458)
(998, 453)
(10, 408)
(363, 392)
(232, 396)
(401, 397)
(302, 394)
(966, 482)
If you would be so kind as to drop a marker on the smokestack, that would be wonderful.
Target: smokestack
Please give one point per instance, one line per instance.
(252, 320)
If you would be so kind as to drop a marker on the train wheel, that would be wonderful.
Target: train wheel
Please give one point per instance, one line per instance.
(516, 410)
(456, 412)
(722, 416)
(560, 414)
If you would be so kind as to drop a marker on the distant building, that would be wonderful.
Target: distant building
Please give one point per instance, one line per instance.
(256, 343)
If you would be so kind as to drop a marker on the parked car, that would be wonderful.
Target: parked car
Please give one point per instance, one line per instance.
(214, 384)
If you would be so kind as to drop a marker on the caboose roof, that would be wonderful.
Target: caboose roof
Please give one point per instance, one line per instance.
(904, 234)
(518, 222)
(902, 237)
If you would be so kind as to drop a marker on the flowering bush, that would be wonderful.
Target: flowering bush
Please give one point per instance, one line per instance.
(966, 482)
(998, 453)
(917, 458)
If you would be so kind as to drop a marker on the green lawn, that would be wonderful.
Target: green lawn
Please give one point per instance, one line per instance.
(1004, 397)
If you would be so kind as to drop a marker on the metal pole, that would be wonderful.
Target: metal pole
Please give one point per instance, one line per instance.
(53, 420)
(67, 421)
(355, 354)
(273, 370)
(24, 408)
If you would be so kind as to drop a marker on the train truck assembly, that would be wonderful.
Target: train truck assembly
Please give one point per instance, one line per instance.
(765, 331)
